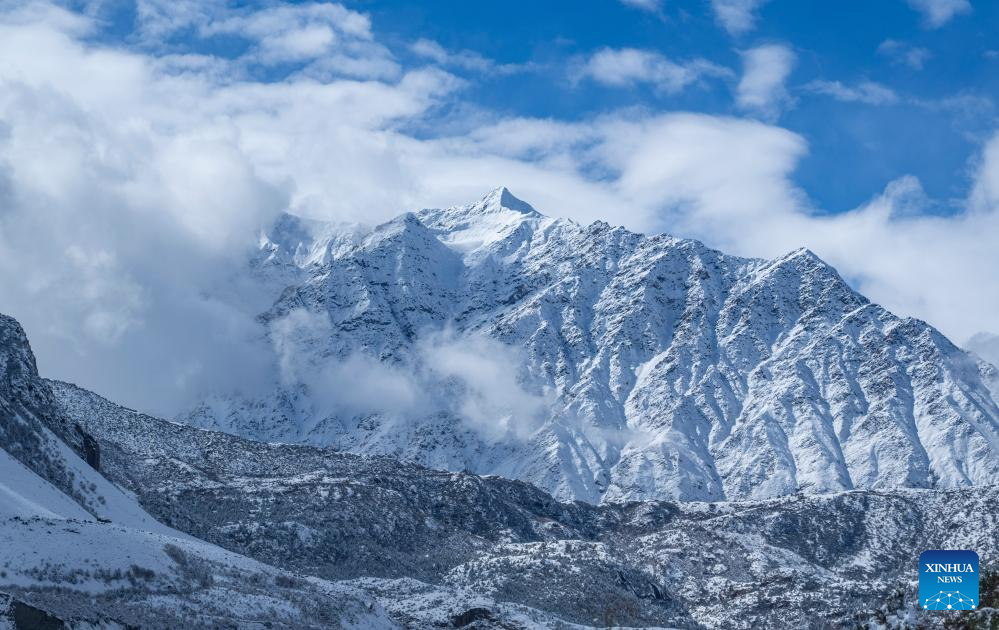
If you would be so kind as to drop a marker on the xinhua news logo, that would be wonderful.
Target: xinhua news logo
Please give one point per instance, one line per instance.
(948, 580)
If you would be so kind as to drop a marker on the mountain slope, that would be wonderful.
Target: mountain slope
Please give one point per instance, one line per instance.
(77, 551)
(604, 365)
(35, 435)
(437, 549)
(437, 546)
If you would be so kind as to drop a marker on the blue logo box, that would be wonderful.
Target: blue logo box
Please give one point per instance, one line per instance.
(948, 580)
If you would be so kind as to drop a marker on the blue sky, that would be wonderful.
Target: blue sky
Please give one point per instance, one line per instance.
(145, 143)
(943, 111)
(939, 73)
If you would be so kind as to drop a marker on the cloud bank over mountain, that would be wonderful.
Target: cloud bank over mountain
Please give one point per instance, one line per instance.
(135, 176)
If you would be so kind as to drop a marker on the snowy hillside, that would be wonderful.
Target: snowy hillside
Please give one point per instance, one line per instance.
(603, 365)
(75, 548)
(437, 548)
(77, 551)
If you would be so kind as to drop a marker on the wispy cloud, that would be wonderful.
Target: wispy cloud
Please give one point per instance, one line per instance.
(936, 13)
(623, 67)
(159, 19)
(651, 6)
(464, 59)
(761, 89)
(327, 38)
(902, 53)
(125, 246)
(985, 345)
(867, 92)
(474, 378)
(294, 33)
(737, 16)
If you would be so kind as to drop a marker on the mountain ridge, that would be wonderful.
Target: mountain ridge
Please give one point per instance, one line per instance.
(406, 533)
(665, 369)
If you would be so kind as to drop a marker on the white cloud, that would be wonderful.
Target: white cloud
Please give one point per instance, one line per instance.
(645, 5)
(936, 13)
(356, 385)
(867, 92)
(157, 19)
(737, 16)
(761, 89)
(697, 170)
(132, 184)
(336, 40)
(985, 194)
(479, 380)
(985, 345)
(902, 53)
(464, 59)
(305, 32)
(490, 395)
(622, 67)
(437, 53)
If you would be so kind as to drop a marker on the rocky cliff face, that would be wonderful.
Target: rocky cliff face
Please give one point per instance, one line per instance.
(31, 431)
(604, 365)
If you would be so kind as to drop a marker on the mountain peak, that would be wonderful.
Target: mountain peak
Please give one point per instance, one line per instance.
(17, 362)
(502, 198)
(493, 219)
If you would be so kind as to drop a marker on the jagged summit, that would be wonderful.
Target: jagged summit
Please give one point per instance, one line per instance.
(804, 257)
(302, 242)
(497, 224)
(500, 198)
(18, 372)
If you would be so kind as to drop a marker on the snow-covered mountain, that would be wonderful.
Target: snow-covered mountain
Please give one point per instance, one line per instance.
(446, 549)
(248, 535)
(603, 365)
